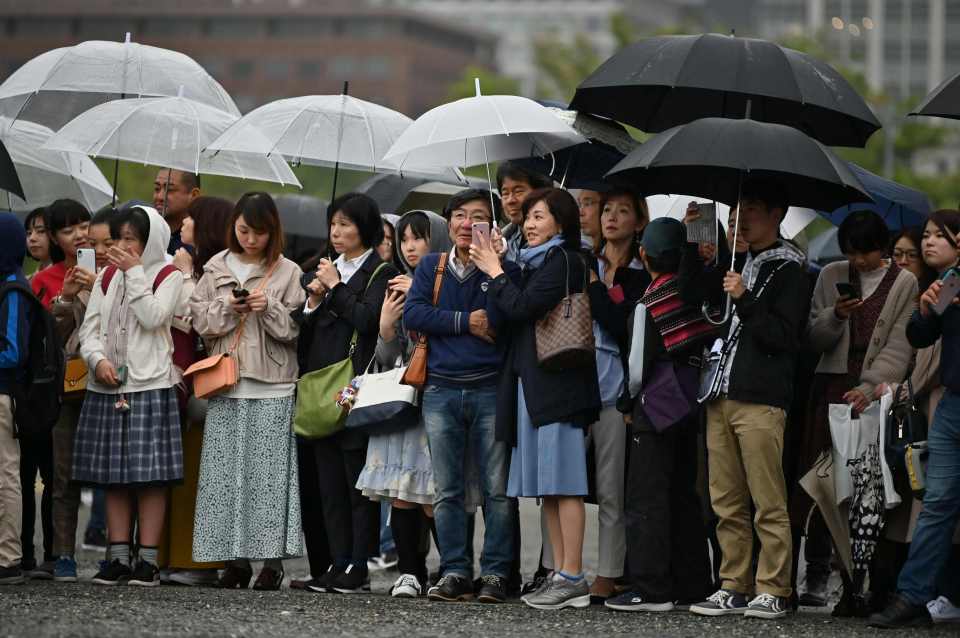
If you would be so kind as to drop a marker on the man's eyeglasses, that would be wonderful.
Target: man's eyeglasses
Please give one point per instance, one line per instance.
(910, 255)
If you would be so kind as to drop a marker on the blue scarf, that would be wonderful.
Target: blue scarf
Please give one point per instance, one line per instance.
(533, 257)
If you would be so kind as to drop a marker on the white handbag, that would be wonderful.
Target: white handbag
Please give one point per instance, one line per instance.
(383, 404)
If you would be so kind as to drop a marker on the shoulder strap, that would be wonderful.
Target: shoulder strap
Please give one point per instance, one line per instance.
(259, 288)
(165, 272)
(766, 281)
(438, 276)
(107, 278)
(356, 334)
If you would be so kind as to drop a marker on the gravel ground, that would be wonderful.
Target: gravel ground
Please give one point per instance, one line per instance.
(46, 609)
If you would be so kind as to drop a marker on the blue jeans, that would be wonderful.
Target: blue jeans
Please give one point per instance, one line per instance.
(458, 420)
(387, 546)
(931, 544)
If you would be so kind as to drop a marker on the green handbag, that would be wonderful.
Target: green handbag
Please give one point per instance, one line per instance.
(317, 414)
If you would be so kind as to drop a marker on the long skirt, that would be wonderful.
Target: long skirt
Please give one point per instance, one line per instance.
(248, 497)
(135, 447)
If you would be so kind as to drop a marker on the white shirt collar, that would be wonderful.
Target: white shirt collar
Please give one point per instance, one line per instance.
(348, 267)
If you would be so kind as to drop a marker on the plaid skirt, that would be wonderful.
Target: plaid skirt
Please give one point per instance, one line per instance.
(141, 445)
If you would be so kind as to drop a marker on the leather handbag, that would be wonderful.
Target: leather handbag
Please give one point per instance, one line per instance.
(218, 374)
(565, 335)
(317, 414)
(904, 424)
(416, 371)
(384, 404)
(74, 378)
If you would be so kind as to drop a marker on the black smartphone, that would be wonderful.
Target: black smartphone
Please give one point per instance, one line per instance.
(241, 293)
(848, 290)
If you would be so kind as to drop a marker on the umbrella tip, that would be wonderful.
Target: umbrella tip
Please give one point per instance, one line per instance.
(476, 84)
(126, 39)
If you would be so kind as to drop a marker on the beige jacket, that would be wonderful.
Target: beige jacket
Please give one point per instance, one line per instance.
(268, 348)
(889, 353)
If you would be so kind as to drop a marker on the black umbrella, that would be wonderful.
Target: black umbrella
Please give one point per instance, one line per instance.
(943, 101)
(709, 158)
(9, 180)
(662, 82)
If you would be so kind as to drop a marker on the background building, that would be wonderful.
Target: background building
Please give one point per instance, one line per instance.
(262, 50)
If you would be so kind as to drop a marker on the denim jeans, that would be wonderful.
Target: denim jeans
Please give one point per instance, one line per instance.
(931, 544)
(458, 420)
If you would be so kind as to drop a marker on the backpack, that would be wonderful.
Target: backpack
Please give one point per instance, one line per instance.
(38, 394)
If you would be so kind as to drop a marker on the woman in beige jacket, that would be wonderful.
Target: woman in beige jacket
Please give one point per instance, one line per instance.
(248, 500)
(858, 318)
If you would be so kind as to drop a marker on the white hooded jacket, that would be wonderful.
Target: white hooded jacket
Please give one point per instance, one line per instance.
(149, 345)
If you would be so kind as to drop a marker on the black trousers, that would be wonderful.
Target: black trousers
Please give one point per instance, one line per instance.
(36, 455)
(666, 538)
(311, 513)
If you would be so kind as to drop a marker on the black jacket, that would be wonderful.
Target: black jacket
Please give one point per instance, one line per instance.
(923, 332)
(773, 328)
(568, 396)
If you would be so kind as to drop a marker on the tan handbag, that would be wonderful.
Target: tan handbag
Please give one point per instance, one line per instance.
(416, 373)
(565, 335)
(74, 377)
(218, 374)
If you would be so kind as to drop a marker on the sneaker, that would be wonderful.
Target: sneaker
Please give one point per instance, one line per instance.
(493, 589)
(721, 603)
(407, 586)
(193, 577)
(324, 584)
(815, 591)
(12, 575)
(65, 570)
(767, 606)
(382, 562)
(43, 571)
(451, 588)
(540, 582)
(352, 580)
(561, 593)
(900, 612)
(94, 539)
(633, 601)
(943, 611)
(112, 573)
(145, 575)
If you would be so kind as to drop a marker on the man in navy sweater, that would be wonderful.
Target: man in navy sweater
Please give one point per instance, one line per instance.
(459, 404)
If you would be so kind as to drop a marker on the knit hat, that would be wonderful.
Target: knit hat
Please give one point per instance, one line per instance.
(663, 235)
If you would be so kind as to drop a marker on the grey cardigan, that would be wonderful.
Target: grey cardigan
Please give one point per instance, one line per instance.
(889, 354)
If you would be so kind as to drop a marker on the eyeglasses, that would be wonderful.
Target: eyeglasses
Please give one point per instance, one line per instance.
(386, 242)
(911, 255)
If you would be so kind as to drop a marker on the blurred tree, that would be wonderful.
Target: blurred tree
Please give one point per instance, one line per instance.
(491, 83)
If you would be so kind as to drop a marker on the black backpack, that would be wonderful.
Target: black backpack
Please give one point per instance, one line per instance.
(38, 394)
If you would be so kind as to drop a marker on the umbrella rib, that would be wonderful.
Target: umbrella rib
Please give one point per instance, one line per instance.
(496, 110)
(373, 149)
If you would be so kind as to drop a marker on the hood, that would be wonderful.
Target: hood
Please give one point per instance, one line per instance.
(439, 234)
(155, 252)
(391, 219)
(13, 244)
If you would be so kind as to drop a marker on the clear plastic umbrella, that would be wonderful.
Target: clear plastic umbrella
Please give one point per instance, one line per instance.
(60, 84)
(48, 175)
(167, 132)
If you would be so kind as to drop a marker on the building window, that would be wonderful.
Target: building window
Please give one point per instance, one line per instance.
(343, 66)
(42, 27)
(167, 27)
(309, 69)
(107, 29)
(235, 28)
(276, 69)
(242, 69)
(377, 66)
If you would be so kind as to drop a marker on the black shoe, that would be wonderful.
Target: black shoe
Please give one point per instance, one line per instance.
(324, 584)
(269, 580)
(901, 613)
(112, 573)
(815, 591)
(145, 575)
(538, 579)
(492, 590)
(851, 606)
(451, 588)
(234, 577)
(352, 580)
(12, 575)
(94, 539)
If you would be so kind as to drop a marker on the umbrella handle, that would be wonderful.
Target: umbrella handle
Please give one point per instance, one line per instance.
(705, 309)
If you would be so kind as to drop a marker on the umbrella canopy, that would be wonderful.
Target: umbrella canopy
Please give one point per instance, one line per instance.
(482, 129)
(943, 101)
(584, 165)
(710, 157)
(322, 130)
(9, 180)
(658, 83)
(50, 175)
(169, 132)
(899, 205)
(60, 84)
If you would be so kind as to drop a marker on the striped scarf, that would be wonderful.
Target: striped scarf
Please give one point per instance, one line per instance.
(681, 325)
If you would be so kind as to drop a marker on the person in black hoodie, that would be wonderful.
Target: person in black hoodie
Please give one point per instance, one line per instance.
(746, 421)
(345, 295)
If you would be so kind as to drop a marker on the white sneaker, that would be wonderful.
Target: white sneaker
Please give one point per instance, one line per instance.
(407, 586)
(943, 611)
(193, 577)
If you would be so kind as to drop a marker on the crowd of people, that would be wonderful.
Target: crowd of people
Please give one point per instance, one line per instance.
(689, 426)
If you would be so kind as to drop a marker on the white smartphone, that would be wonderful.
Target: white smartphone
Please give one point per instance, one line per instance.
(87, 259)
(949, 292)
(481, 233)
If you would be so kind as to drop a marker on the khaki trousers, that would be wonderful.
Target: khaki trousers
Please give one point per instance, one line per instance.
(11, 494)
(745, 458)
(66, 493)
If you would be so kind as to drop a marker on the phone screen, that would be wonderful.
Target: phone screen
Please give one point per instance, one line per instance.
(846, 290)
(87, 259)
(481, 233)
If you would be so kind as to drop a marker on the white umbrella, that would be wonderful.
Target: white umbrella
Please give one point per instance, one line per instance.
(675, 206)
(46, 175)
(58, 85)
(167, 132)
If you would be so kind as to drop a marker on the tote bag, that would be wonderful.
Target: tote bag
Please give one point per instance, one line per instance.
(384, 404)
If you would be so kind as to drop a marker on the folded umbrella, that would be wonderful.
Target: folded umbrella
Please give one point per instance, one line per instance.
(658, 83)
(9, 180)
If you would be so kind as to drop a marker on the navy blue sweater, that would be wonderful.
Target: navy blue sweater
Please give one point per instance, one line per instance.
(924, 332)
(456, 357)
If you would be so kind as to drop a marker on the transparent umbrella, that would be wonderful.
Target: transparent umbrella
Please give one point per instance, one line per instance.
(48, 175)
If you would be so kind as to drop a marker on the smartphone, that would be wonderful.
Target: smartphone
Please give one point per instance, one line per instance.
(949, 291)
(87, 259)
(704, 230)
(847, 290)
(481, 233)
(240, 293)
